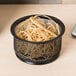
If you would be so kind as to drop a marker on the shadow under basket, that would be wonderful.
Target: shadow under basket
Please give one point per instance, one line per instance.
(37, 52)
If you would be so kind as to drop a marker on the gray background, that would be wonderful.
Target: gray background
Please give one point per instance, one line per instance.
(30, 1)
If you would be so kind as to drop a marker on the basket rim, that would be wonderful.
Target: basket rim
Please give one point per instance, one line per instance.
(60, 23)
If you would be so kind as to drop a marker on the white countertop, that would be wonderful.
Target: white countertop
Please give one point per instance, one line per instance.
(10, 65)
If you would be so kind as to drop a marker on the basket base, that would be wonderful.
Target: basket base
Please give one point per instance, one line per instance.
(39, 62)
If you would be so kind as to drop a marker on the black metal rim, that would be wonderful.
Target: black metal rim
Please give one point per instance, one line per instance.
(26, 17)
(28, 61)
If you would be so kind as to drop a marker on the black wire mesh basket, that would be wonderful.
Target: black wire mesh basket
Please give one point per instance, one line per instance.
(37, 52)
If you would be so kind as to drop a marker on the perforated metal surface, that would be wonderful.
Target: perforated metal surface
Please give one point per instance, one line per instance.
(37, 52)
